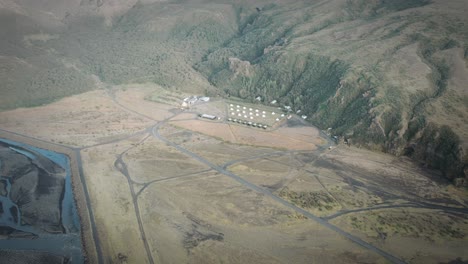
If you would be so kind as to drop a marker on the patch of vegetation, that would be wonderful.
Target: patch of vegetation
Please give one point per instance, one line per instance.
(407, 224)
(165, 97)
(359, 8)
(439, 147)
(414, 126)
(297, 216)
(397, 31)
(45, 82)
(193, 238)
(317, 200)
(297, 81)
(457, 261)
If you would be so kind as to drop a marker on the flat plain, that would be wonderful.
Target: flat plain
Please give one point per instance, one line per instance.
(167, 186)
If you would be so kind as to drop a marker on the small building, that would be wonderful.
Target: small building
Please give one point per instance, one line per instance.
(273, 102)
(210, 117)
(185, 104)
(191, 100)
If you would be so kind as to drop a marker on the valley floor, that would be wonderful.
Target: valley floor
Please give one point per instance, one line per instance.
(166, 186)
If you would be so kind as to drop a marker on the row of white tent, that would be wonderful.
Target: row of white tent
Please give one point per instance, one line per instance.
(249, 123)
(241, 111)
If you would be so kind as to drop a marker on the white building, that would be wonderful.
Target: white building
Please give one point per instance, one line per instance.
(211, 117)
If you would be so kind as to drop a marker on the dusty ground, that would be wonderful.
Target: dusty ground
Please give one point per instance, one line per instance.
(112, 203)
(167, 194)
(81, 120)
(282, 138)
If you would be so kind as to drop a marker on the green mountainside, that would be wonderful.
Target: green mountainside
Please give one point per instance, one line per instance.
(388, 75)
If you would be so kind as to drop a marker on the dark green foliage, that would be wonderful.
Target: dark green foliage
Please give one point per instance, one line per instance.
(303, 82)
(398, 5)
(457, 261)
(41, 85)
(360, 8)
(439, 147)
(442, 75)
(354, 112)
(414, 126)
(449, 44)
(391, 122)
(397, 31)
(319, 200)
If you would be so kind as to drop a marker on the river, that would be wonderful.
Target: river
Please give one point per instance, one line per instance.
(67, 243)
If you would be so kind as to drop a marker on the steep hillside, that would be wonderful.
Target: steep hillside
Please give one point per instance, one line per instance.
(388, 75)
